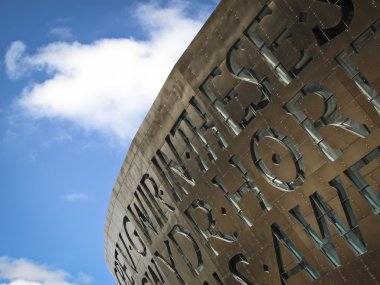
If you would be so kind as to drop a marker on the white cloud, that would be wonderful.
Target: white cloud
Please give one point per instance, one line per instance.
(15, 60)
(76, 197)
(108, 85)
(26, 272)
(62, 33)
(22, 282)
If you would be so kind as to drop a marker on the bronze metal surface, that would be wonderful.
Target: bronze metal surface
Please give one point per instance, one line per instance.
(259, 161)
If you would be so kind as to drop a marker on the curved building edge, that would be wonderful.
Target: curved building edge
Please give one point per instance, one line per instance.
(282, 188)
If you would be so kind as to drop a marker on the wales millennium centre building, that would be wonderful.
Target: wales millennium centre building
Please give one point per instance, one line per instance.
(259, 161)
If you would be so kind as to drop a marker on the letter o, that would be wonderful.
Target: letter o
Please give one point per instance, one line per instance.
(294, 152)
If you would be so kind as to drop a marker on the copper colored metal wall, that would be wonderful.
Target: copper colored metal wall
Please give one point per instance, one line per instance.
(259, 162)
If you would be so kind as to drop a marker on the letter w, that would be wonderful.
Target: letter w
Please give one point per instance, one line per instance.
(323, 212)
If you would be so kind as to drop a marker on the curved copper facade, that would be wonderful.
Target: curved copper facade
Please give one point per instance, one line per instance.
(259, 162)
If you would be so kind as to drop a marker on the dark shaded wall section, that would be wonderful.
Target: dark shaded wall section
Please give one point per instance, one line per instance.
(259, 162)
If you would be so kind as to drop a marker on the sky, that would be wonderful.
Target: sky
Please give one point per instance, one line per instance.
(77, 78)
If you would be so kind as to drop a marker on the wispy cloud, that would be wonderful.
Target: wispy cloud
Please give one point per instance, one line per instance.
(72, 197)
(109, 85)
(65, 20)
(62, 33)
(84, 278)
(22, 282)
(26, 272)
(15, 61)
(62, 136)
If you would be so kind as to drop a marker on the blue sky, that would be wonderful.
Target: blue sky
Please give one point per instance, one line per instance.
(76, 79)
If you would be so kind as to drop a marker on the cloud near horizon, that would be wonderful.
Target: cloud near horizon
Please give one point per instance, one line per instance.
(110, 84)
(25, 272)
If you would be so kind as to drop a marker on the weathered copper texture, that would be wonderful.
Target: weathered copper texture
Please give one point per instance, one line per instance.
(259, 162)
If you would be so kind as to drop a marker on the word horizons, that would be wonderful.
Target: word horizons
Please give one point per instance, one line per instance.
(148, 214)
